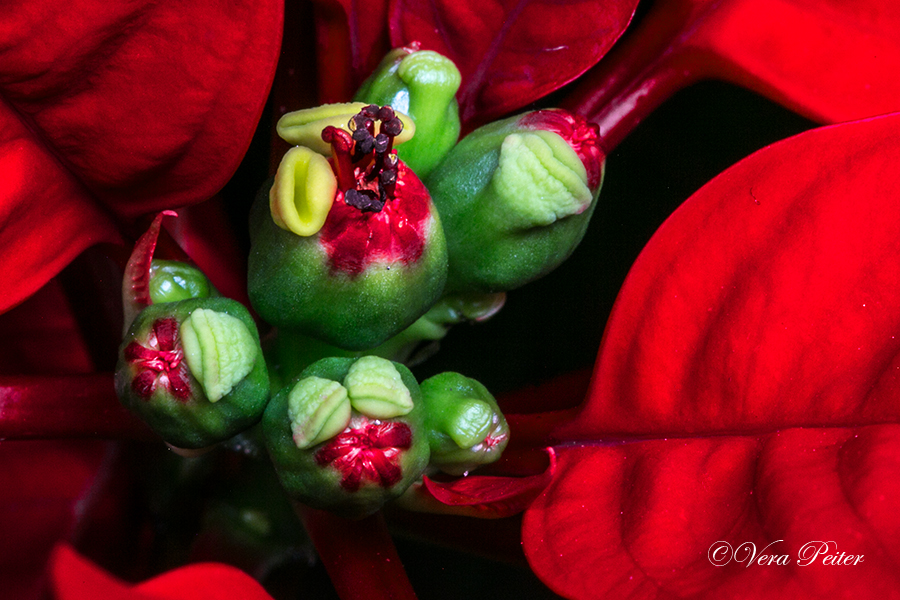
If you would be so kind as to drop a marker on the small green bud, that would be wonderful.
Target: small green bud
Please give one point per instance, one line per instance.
(318, 409)
(194, 370)
(376, 389)
(219, 349)
(515, 198)
(466, 427)
(423, 85)
(171, 281)
(369, 462)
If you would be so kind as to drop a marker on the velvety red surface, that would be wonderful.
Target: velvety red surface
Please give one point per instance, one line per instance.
(510, 52)
(746, 390)
(110, 111)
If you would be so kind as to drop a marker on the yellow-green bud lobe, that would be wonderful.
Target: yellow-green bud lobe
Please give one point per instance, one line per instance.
(303, 191)
(304, 127)
(376, 389)
(219, 349)
(318, 410)
(540, 179)
(468, 422)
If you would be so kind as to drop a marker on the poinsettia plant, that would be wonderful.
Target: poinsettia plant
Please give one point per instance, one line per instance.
(732, 433)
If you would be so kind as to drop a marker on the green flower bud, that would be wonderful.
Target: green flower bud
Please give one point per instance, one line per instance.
(423, 85)
(466, 428)
(171, 281)
(515, 198)
(370, 462)
(377, 263)
(194, 371)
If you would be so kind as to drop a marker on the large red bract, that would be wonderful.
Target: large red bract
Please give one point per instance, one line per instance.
(759, 330)
(112, 111)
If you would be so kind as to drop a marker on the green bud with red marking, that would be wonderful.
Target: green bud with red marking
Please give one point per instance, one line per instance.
(465, 426)
(515, 198)
(378, 260)
(347, 435)
(194, 370)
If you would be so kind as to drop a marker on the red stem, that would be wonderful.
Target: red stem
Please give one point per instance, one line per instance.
(64, 407)
(359, 556)
(646, 69)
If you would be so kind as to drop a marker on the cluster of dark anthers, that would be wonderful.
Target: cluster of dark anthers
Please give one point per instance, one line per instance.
(364, 162)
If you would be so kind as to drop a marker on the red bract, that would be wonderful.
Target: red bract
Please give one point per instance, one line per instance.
(766, 311)
(831, 61)
(41, 486)
(511, 53)
(351, 42)
(115, 111)
(75, 578)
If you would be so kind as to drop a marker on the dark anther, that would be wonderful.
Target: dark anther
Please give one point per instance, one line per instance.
(371, 111)
(386, 113)
(381, 143)
(364, 200)
(392, 127)
(388, 177)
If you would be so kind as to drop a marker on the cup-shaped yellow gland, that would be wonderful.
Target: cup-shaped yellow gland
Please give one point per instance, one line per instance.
(304, 127)
(303, 191)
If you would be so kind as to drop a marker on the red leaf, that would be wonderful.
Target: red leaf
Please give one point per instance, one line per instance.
(139, 106)
(767, 307)
(831, 61)
(770, 299)
(136, 281)
(352, 41)
(511, 53)
(639, 520)
(41, 486)
(76, 578)
(492, 497)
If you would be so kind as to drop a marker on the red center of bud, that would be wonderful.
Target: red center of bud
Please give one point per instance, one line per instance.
(581, 135)
(161, 362)
(491, 440)
(371, 451)
(381, 209)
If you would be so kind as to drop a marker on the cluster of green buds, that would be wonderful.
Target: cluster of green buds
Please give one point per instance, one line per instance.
(380, 230)
(350, 434)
